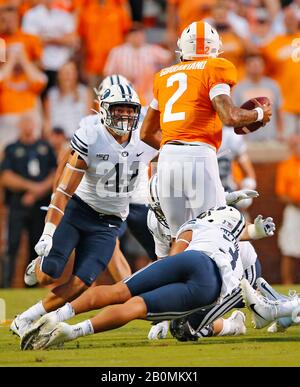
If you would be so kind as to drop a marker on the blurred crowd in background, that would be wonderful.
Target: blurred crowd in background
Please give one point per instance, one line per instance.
(57, 51)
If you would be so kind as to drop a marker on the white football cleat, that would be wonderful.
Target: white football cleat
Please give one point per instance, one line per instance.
(60, 334)
(266, 290)
(159, 331)
(237, 320)
(20, 325)
(42, 326)
(29, 275)
(263, 310)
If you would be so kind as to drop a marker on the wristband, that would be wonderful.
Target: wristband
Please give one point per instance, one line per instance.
(252, 232)
(49, 229)
(260, 114)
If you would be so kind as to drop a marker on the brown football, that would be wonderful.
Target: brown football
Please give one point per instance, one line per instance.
(249, 105)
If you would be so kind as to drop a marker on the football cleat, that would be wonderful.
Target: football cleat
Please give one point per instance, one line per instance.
(20, 325)
(60, 334)
(159, 331)
(266, 290)
(237, 320)
(30, 276)
(42, 326)
(263, 311)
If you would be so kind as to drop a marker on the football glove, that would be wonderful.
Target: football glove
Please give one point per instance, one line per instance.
(261, 228)
(159, 331)
(236, 196)
(44, 245)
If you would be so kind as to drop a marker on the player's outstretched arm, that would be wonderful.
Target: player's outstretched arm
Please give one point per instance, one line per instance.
(231, 115)
(69, 181)
(261, 228)
(150, 131)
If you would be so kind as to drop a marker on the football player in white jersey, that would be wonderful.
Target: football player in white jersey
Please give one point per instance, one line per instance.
(91, 201)
(158, 226)
(138, 207)
(208, 270)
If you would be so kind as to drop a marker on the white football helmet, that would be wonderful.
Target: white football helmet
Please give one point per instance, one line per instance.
(199, 40)
(119, 95)
(110, 80)
(154, 202)
(228, 217)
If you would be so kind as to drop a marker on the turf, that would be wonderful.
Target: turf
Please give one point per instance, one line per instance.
(128, 346)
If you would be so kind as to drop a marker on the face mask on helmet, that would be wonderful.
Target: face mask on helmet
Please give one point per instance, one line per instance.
(199, 40)
(120, 109)
(154, 201)
(228, 217)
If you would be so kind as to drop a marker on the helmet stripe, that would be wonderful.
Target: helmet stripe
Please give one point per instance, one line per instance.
(111, 79)
(122, 91)
(200, 36)
(129, 91)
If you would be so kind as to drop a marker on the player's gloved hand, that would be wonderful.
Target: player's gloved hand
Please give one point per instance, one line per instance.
(159, 331)
(44, 245)
(236, 196)
(261, 228)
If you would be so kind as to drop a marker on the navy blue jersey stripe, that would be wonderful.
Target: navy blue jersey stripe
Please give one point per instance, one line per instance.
(80, 141)
(84, 148)
(79, 150)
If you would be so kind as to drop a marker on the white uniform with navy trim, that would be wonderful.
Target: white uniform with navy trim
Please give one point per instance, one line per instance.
(232, 147)
(220, 245)
(161, 235)
(113, 170)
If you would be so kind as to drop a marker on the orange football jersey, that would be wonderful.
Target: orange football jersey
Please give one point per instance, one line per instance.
(182, 92)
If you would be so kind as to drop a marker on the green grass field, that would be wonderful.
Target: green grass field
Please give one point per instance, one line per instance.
(129, 346)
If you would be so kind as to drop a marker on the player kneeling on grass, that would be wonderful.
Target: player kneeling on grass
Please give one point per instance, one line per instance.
(207, 271)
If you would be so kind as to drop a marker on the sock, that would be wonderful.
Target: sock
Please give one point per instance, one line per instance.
(82, 329)
(226, 330)
(65, 312)
(34, 312)
(286, 309)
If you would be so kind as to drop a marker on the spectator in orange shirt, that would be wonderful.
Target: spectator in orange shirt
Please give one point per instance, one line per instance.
(10, 32)
(234, 45)
(20, 85)
(102, 25)
(288, 189)
(282, 66)
(181, 13)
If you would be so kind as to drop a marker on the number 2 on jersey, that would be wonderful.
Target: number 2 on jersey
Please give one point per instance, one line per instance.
(168, 116)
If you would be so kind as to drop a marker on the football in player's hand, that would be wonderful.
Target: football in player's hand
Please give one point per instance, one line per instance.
(250, 105)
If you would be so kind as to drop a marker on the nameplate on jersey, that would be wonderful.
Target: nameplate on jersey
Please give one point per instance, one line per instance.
(102, 156)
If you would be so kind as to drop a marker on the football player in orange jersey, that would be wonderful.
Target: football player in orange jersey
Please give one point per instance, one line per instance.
(191, 102)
